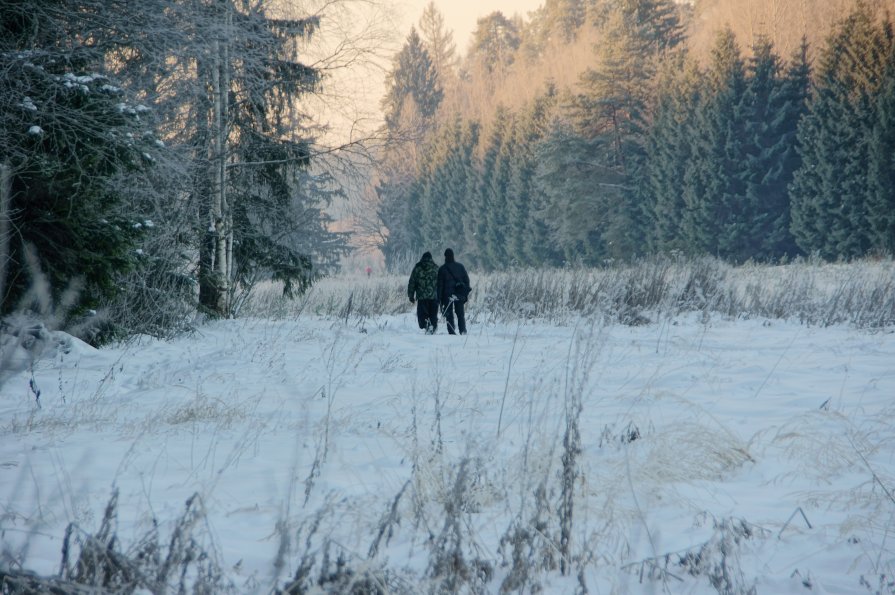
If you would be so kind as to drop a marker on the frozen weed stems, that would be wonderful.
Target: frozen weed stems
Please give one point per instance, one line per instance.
(644, 291)
(870, 504)
(583, 351)
(528, 548)
(337, 364)
(98, 563)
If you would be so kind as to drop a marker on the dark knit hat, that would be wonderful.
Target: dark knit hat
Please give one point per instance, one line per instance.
(449, 255)
(427, 256)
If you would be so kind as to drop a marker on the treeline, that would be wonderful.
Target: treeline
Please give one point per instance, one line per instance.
(155, 160)
(739, 154)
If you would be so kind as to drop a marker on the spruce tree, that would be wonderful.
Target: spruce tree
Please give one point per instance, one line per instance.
(489, 212)
(429, 184)
(609, 113)
(881, 201)
(770, 111)
(831, 192)
(447, 184)
(400, 212)
(792, 99)
(714, 187)
(657, 24)
(72, 143)
(581, 196)
(412, 98)
(670, 152)
(464, 180)
(529, 242)
(413, 78)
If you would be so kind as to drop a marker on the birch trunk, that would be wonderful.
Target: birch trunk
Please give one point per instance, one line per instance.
(214, 292)
(219, 197)
(225, 247)
(204, 191)
(5, 200)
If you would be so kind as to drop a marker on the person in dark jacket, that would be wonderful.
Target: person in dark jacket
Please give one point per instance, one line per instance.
(421, 289)
(453, 290)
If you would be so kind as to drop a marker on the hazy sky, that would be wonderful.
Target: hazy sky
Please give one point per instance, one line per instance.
(461, 15)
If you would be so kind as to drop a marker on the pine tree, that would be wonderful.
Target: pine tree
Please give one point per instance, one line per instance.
(412, 98)
(495, 41)
(464, 180)
(610, 112)
(400, 212)
(279, 225)
(427, 185)
(581, 196)
(563, 19)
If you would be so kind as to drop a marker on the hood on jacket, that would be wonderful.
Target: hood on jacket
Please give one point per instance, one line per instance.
(448, 256)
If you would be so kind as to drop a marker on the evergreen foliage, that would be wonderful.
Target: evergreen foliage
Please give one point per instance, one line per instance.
(580, 194)
(529, 243)
(563, 19)
(773, 103)
(714, 189)
(489, 209)
(610, 119)
(280, 230)
(881, 201)
(654, 24)
(446, 186)
(226, 200)
(400, 211)
(412, 78)
(669, 153)
(67, 137)
(494, 43)
(412, 97)
(832, 192)
(744, 156)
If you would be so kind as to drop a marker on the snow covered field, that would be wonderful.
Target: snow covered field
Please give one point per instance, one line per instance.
(698, 454)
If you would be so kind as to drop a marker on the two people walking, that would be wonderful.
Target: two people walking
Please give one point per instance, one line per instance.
(445, 287)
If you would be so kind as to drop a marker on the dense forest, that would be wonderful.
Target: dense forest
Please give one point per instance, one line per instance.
(603, 130)
(162, 158)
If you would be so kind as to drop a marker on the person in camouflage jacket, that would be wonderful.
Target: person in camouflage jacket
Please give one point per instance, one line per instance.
(421, 289)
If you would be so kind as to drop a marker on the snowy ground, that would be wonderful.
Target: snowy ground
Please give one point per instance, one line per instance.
(752, 453)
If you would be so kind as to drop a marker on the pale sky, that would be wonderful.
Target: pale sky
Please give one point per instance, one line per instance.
(460, 16)
(351, 105)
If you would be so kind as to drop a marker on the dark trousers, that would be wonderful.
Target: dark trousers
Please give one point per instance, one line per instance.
(427, 315)
(453, 307)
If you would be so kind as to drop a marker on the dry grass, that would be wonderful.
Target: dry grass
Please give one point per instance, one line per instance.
(861, 293)
(558, 509)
